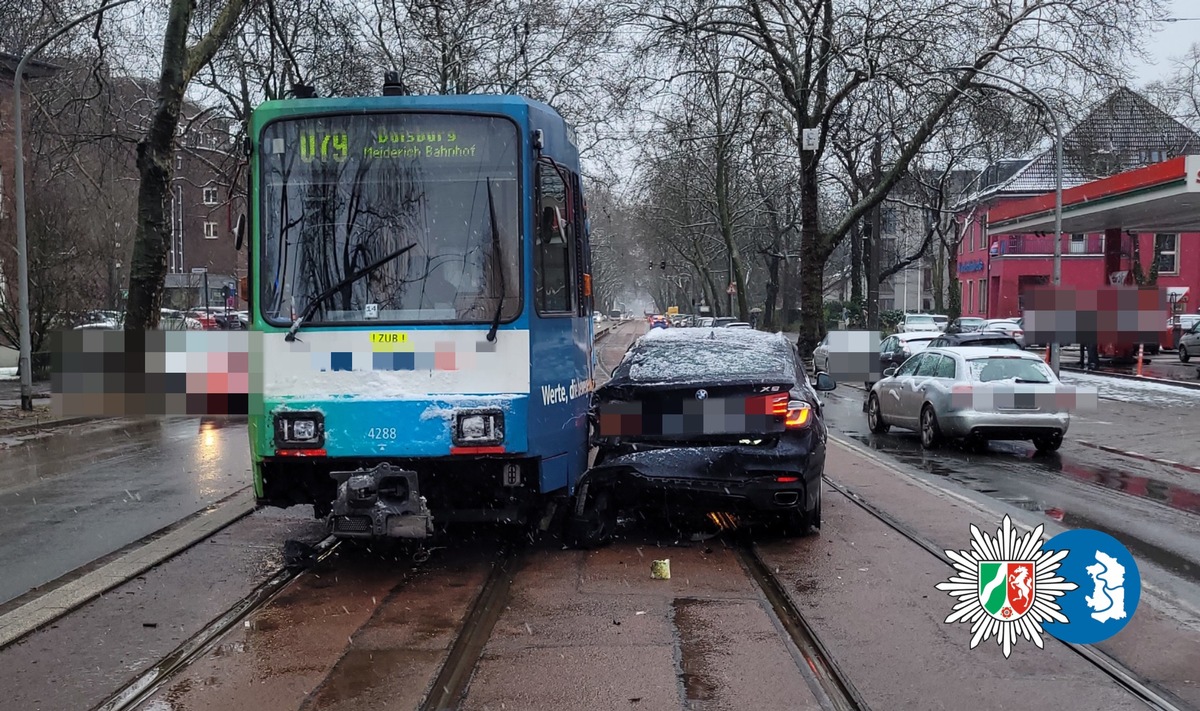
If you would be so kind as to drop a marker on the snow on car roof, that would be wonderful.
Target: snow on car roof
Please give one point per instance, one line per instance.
(692, 354)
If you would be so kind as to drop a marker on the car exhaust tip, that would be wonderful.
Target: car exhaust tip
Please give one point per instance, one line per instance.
(786, 498)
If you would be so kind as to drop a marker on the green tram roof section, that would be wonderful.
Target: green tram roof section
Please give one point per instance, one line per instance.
(1164, 197)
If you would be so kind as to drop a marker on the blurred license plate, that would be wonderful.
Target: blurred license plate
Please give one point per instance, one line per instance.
(713, 416)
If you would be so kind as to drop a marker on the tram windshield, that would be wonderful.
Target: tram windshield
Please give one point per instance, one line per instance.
(339, 193)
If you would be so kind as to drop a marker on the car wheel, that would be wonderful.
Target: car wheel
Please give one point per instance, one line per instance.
(595, 527)
(1048, 443)
(1184, 356)
(931, 433)
(875, 416)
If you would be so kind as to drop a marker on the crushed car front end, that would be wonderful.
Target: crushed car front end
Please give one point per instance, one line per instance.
(700, 422)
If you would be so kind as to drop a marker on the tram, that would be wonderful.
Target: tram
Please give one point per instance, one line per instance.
(420, 310)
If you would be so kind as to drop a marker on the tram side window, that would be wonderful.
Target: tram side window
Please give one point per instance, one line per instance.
(554, 258)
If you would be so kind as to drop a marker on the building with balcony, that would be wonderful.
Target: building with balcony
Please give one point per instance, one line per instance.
(1124, 132)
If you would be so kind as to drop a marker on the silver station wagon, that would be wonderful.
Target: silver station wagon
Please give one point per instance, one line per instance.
(977, 394)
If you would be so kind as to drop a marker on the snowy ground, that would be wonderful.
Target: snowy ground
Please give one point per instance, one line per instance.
(1146, 393)
(8, 373)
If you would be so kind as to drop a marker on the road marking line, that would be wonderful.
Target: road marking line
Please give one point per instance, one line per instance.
(58, 602)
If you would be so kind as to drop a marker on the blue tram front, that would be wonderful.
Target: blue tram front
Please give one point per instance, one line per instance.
(421, 301)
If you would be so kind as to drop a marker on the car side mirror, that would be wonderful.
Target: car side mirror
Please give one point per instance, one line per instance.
(239, 232)
(825, 382)
(889, 372)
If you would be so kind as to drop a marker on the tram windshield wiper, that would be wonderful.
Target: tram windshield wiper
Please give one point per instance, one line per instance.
(496, 254)
(312, 305)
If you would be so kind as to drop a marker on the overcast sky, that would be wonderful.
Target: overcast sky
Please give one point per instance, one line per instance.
(1169, 42)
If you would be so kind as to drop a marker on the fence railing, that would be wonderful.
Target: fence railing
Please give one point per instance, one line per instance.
(1024, 245)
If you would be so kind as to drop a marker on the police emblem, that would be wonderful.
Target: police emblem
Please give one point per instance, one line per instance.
(1006, 586)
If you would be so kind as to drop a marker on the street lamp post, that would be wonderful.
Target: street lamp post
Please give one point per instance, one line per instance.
(1058, 192)
(26, 358)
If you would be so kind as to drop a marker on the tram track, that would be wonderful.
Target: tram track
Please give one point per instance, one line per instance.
(450, 685)
(145, 685)
(834, 689)
(1145, 691)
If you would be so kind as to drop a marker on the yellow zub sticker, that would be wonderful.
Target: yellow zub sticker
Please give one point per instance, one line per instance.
(388, 341)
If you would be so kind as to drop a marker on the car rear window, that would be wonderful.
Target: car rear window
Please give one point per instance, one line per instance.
(739, 356)
(916, 345)
(996, 368)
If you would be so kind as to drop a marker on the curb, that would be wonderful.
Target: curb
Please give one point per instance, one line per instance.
(50, 425)
(1142, 457)
(1187, 384)
(56, 603)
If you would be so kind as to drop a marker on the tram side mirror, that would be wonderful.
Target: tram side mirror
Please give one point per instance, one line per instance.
(239, 232)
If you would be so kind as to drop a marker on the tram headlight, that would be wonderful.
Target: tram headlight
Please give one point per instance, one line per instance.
(297, 430)
(474, 428)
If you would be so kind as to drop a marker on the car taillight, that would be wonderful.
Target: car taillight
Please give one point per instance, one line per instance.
(1018, 334)
(798, 415)
(768, 405)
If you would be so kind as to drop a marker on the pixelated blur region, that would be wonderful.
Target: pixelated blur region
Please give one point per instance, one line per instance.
(1112, 314)
(1023, 397)
(150, 374)
(695, 417)
(851, 356)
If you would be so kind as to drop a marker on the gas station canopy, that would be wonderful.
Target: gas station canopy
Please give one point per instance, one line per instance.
(1164, 197)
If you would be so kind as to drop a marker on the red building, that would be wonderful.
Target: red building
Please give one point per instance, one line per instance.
(1124, 132)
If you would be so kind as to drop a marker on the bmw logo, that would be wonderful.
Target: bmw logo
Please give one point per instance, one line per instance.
(701, 394)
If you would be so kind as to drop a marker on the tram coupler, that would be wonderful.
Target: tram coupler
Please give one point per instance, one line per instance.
(382, 502)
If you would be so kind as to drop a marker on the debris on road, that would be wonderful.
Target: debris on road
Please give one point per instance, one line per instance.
(660, 569)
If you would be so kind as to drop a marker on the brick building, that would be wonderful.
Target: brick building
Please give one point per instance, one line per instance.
(1124, 132)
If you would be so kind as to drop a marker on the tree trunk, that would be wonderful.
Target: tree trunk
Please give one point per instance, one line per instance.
(154, 152)
(856, 263)
(148, 267)
(813, 256)
(772, 293)
(939, 279)
(954, 296)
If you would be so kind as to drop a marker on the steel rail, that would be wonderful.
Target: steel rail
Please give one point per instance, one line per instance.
(1144, 690)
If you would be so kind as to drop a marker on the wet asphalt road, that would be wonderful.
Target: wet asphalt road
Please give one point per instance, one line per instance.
(366, 631)
(69, 499)
(1153, 510)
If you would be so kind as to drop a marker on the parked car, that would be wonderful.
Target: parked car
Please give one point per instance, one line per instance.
(939, 393)
(1006, 326)
(965, 324)
(914, 323)
(659, 444)
(738, 324)
(723, 321)
(942, 321)
(897, 348)
(706, 321)
(1189, 343)
(1171, 338)
(976, 339)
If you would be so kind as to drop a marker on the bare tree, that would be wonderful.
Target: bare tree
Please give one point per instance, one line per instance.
(181, 62)
(825, 54)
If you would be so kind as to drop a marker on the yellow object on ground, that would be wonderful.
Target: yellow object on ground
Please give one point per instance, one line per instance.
(660, 570)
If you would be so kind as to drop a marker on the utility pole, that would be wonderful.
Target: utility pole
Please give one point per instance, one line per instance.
(25, 359)
(875, 244)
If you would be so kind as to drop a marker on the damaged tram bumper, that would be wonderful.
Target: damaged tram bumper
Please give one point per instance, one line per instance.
(381, 502)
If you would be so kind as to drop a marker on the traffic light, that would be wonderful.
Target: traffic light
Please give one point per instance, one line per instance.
(662, 264)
